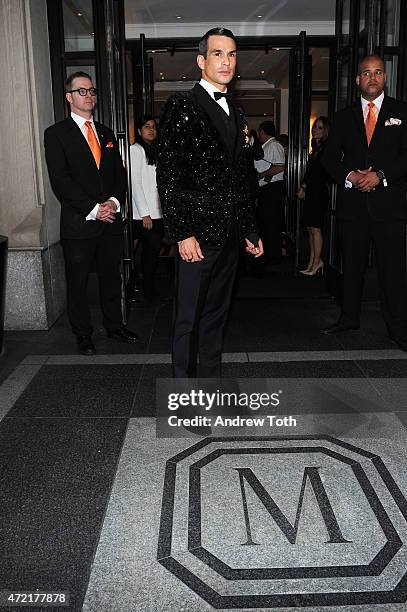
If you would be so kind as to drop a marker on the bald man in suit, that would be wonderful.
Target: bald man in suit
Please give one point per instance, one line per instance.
(366, 154)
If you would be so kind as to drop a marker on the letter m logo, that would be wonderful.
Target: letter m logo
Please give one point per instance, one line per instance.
(290, 531)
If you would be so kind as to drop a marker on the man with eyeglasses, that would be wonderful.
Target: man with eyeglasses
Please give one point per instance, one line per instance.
(366, 154)
(87, 175)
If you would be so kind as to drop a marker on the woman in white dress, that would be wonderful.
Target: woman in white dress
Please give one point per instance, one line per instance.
(147, 215)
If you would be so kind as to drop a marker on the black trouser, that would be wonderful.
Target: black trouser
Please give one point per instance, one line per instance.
(151, 245)
(203, 295)
(79, 253)
(389, 246)
(270, 216)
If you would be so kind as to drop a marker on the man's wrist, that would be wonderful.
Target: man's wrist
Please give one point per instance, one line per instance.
(348, 182)
(381, 176)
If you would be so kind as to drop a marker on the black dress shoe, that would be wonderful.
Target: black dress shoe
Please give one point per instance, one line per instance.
(85, 345)
(124, 335)
(338, 328)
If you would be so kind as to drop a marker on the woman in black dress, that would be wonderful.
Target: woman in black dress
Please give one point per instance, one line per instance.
(314, 191)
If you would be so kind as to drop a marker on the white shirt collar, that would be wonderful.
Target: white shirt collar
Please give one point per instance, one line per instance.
(80, 121)
(269, 140)
(210, 88)
(377, 102)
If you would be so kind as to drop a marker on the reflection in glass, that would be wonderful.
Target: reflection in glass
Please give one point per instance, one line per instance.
(391, 73)
(345, 21)
(78, 25)
(320, 68)
(343, 85)
(90, 70)
(362, 15)
(130, 95)
(392, 21)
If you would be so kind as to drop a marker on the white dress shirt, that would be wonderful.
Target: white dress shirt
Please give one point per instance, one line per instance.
(365, 109)
(144, 192)
(211, 90)
(80, 122)
(273, 153)
(377, 105)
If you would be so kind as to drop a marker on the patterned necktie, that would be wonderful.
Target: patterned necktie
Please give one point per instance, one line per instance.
(370, 122)
(93, 143)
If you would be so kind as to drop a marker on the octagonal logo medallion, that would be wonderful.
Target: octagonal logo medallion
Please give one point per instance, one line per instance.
(251, 522)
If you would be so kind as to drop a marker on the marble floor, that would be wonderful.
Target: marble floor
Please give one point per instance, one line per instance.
(100, 503)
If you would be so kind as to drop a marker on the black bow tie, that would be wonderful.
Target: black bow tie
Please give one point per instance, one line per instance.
(218, 95)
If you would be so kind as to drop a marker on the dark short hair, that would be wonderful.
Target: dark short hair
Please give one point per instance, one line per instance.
(73, 76)
(203, 43)
(268, 127)
(282, 139)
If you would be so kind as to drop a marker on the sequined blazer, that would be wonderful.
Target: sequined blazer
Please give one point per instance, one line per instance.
(202, 181)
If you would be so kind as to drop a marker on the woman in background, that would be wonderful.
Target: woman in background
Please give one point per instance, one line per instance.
(147, 215)
(314, 191)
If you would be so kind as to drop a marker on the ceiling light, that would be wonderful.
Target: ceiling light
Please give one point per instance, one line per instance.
(179, 17)
(162, 78)
(277, 48)
(262, 71)
(238, 76)
(161, 73)
(79, 14)
(184, 77)
(259, 16)
(153, 51)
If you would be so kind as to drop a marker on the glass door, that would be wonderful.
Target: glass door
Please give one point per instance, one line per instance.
(111, 72)
(298, 134)
(141, 80)
(90, 35)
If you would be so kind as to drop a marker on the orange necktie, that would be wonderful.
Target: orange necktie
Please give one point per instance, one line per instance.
(370, 122)
(93, 143)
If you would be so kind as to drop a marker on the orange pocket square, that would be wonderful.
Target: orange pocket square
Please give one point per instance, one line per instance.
(110, 144)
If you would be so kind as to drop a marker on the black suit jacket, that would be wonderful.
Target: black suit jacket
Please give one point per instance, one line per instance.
(347, 150)
(202, 174)
(76, 180)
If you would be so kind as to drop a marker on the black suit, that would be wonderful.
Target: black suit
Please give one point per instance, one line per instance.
(379, 215)
(202, 180)
(79, 185)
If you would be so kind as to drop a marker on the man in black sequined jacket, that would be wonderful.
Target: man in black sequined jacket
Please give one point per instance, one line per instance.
(202, 180)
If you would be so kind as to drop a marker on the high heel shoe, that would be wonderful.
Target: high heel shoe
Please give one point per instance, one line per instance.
(307, 269)
(316, 270)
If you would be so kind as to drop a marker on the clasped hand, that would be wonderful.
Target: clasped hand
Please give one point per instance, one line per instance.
(106, 211)
(190, 250)
(364, 180)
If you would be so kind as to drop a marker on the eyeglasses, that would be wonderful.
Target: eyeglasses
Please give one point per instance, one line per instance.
(82, 91)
